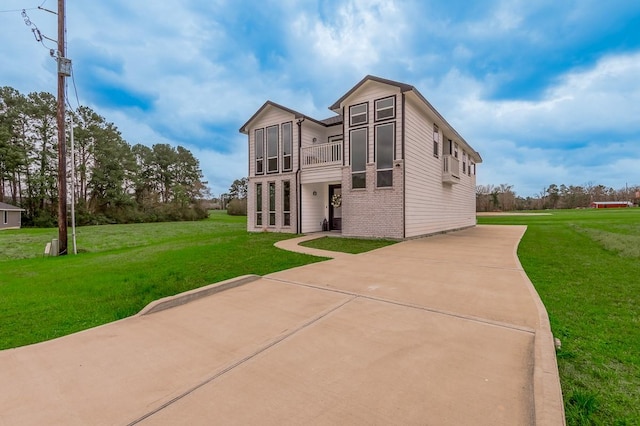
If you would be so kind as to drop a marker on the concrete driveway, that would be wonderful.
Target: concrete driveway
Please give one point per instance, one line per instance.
(445, 330)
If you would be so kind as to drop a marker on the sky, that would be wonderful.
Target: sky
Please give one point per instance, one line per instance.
(547, 91)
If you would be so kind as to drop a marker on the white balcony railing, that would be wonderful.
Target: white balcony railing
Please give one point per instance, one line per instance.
(322, 154)
(450, 169)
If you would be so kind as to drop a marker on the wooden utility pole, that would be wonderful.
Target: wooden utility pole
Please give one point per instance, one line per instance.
(62, 142)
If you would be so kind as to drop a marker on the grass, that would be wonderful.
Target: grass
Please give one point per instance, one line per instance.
(346, 245)
(585, 264)
(121, 268)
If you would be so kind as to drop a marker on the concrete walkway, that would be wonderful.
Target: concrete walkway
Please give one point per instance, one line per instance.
(445, 330)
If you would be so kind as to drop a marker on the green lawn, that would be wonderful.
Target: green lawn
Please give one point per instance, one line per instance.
(120, 269)
(346, 245)
(585, 264)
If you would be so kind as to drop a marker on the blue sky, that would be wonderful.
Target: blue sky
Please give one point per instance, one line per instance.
(546, 91)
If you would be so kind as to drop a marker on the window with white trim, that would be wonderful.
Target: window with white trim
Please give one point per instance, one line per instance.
(358, 114)
(259, 145)
(272, 149)
(5, 217)
(436, 141)
(464, 162)
(385, 148)
(359, 150)
(286, 203)
(385, 108)
(455, 150)
(287, 144)
(272, 204)
(258, 204)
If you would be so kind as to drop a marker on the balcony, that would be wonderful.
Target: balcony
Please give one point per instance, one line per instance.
(450, 169)
(319, 155)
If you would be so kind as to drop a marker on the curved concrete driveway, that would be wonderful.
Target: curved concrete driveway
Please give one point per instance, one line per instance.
(445, 330)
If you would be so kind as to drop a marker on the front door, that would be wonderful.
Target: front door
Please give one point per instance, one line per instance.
(335, 207)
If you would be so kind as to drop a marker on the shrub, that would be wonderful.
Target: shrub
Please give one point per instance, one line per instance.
(237, 207)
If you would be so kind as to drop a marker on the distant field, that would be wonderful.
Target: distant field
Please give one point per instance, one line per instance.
(585, 264)
(120, 269)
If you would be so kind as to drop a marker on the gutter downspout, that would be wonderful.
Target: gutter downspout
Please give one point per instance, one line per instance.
(298, 180)
(404, 174)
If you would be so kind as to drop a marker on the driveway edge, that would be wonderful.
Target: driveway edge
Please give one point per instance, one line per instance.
(195, 294)
(547, 392)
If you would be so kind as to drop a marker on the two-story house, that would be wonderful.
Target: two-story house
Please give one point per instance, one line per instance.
(387, 165)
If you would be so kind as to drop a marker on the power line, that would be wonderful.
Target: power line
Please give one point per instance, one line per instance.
(17, 10)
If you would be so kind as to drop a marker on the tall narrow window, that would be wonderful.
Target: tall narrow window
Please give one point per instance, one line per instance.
(5, 217)
(455, 150)
(286, 203)
(259, 151)
(258, 204)
(272, 149)
(358, 141)
(272, 204)
(385, 147)
(464, 162)
(385, 108)
(358, 114)
(287, 137)
(436, 141)
(450, 147)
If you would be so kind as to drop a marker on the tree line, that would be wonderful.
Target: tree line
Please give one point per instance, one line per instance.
(503, 198)
(115, 182)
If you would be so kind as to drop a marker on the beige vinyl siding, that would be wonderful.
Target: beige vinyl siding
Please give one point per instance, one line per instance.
(272, 116)
(314, 207)
(321, 174)
(430, 205)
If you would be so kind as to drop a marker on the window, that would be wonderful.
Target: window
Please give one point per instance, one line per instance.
(385, 148)
(272, 149)
(259, 151)
(455, 150)
(450, 147)
(286, 203)
(358, 114)
(5, 217)
(287, 137)
(272, 204)
(359, 148)
(471, 163)
(436, 141)
(464, 162)
(258, 204)
(385, 108)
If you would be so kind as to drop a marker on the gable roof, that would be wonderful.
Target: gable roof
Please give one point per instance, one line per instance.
(402, 86)
(10, 208)
(296, 114)
(403, 89)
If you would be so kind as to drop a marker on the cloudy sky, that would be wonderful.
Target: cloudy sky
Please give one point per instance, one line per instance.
(547, 91)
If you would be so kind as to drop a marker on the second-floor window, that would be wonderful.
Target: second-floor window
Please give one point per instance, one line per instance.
(272, 149)
(286, 146)
(385, 148)
(436, 141)
(464, 162)
(259, 151)
(358, 114)
(385, 108)
(359, 149)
